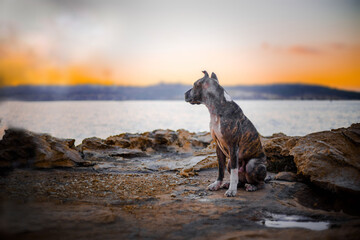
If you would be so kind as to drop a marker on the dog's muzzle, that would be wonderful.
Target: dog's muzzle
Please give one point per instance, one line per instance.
(189, 98)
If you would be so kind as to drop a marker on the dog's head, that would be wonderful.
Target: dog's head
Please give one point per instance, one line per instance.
(205, 89)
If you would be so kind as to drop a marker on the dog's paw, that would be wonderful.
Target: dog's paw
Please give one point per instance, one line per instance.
(250, 187)
(230, 193)
(214, 186)
(268, 179)
(225, 185)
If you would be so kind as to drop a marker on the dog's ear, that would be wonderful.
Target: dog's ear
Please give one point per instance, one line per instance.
(206, 74)
(213, 76)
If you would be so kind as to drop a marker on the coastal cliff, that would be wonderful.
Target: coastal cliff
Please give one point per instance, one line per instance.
(153, 185)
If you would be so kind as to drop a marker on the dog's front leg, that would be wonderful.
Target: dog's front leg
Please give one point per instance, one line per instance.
(234, 172)
(221, 161)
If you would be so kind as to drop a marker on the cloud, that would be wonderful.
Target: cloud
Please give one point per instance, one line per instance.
(338, 46)
(308, 50)
(298, 49)
(303, 50)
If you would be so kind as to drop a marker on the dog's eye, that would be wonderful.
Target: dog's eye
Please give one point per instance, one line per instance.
(197, 85)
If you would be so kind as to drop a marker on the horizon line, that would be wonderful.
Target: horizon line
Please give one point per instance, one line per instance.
(183, 84)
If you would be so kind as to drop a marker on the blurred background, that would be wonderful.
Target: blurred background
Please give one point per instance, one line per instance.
(52, 51)
(141, 43)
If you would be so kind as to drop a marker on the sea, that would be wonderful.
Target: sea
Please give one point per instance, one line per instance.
(84, 119)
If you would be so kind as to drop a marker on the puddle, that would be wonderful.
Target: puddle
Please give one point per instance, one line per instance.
(294, 221)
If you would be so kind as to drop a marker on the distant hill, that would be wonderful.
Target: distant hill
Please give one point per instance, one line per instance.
(290, 91)
(169, 92)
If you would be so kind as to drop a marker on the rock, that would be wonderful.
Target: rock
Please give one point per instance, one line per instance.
(94, 143)
(82, 204)
(164, 137)
(96, 156)
(113, 153)
(148, 204)
(96, 149)
(21, 148)
(103, 166)
(17, 149)
(286, 176)
(277, 153)
(204, 163)
(330, 159)
(161, 141)
(165, 150)
(54, 152)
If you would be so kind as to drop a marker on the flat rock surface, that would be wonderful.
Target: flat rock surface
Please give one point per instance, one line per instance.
(85, 204)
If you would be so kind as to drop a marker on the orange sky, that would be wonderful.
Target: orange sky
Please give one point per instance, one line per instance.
(243, 43)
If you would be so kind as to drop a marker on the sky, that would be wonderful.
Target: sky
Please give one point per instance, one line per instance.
(140, 43)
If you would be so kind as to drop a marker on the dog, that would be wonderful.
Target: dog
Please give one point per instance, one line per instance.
(235, 136)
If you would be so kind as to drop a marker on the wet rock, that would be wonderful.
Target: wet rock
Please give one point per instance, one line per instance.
(21, 148)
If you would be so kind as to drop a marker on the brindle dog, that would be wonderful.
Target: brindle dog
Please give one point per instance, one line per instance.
(235, 136)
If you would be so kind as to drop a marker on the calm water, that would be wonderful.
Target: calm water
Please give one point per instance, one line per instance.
(81, 119)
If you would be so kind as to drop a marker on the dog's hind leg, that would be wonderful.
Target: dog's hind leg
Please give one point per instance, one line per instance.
(255, 174)
(242, 173)
(242, 178)
(221, 161)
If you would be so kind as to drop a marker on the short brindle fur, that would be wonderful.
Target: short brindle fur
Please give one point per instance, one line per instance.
(236, 137)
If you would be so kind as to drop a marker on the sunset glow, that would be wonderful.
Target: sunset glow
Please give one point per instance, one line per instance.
(120, 43)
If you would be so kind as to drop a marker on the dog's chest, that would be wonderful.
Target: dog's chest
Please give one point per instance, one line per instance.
(215, 126)
(215, 129)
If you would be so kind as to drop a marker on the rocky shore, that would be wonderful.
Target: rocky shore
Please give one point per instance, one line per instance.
(154, 186)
